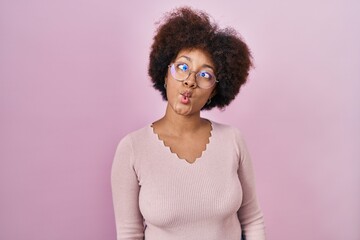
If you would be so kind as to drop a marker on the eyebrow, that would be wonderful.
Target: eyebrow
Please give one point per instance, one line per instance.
(204, 65)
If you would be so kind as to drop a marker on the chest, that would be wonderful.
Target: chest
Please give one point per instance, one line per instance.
(174, 195)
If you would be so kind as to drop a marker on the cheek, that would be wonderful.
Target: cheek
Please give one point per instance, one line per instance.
(209, 94)
(203, 99)
(171, 89)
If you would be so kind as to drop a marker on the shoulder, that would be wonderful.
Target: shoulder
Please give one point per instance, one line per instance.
(136, 135)
(226, 130)
(133, 143)
(229, 134)
(139, 140)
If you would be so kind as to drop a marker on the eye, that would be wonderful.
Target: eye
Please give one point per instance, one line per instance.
(182, 67)
(206, 75)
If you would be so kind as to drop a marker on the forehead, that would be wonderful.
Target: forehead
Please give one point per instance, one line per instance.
(196, 56)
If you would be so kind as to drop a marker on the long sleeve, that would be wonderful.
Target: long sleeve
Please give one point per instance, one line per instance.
(250, 214)
(125, 191)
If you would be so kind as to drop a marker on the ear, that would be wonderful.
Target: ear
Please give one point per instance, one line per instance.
(165, 82)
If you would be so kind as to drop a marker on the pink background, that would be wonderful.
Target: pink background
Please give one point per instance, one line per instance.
(73, 81)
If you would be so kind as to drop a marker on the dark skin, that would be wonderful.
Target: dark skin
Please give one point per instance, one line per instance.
(182, 129)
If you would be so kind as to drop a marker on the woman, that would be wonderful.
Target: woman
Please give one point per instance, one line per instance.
(185, 177)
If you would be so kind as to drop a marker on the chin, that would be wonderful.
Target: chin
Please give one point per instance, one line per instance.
(183, 109)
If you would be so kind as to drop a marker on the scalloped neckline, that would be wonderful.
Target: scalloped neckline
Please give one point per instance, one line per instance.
(176, 154)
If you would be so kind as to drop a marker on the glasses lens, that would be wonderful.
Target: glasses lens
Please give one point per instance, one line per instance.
(205, 79)
(180, 71)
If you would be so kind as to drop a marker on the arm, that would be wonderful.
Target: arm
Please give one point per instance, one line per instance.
(250, 215)
(125, 191)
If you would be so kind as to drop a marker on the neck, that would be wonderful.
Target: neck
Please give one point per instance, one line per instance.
(181, 124)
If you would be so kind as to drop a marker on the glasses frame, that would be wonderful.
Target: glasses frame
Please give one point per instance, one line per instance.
(172, 68)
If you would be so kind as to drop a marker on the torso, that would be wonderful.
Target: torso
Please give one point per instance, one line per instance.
(181, 200)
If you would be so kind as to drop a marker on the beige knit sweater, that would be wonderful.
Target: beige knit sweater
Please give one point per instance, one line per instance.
(158, 196)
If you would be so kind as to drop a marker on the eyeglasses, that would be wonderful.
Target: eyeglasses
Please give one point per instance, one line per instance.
(181, 71)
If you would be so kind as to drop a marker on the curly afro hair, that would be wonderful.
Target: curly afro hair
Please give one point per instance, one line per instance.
(185, 28)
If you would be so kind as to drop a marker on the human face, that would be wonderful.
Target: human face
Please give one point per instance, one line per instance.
(185, 97)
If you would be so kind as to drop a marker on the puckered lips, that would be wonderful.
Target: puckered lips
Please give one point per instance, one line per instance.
(185, 97)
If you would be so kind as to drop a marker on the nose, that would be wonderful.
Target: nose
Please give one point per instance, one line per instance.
(190, 82)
